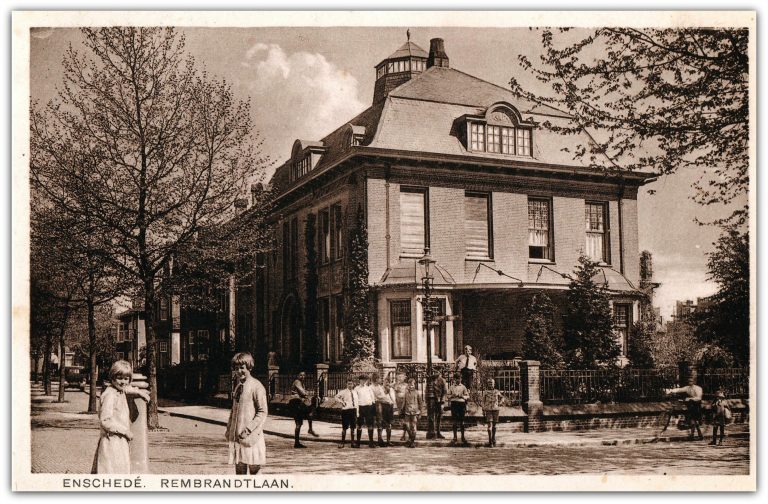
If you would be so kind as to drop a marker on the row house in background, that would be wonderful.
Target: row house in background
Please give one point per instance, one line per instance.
(447, 162)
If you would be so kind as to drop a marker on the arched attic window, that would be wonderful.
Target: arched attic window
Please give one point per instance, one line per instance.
(304, 157)
(354, 135)
(501, 130)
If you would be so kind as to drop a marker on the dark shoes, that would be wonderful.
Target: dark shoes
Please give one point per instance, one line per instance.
(299, 445)
(439, 436)
(313, 433)
(355, 445)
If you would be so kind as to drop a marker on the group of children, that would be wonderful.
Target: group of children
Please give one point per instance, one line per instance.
(368, 403)
(373, 404)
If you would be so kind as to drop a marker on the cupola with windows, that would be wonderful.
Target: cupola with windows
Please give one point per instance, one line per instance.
(402, 65)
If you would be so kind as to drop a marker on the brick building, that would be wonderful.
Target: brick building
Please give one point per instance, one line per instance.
(446, 161)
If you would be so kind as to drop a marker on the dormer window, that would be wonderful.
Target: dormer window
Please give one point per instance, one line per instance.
(300, 168)
(500, 131)
(304, 157)
(355, 135)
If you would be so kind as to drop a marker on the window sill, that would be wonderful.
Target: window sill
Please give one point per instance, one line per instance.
(479, 259)
(541, 261)
(411, 256)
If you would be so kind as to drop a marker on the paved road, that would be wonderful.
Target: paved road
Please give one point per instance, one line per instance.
(64, 439)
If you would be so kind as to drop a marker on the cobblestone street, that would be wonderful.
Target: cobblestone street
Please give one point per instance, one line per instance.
(64, 440)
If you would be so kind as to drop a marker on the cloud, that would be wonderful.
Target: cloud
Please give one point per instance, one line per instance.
(40, 32)
(297, 95)
(682, 277)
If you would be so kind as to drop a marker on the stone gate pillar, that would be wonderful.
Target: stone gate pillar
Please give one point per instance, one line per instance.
(530, 383)
(140, 443)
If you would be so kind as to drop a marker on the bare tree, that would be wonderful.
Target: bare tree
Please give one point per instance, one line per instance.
(157, 148)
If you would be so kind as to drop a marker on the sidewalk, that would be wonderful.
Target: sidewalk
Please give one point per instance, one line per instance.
(477, 435)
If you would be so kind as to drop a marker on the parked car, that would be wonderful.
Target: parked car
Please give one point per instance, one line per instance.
(75, 377)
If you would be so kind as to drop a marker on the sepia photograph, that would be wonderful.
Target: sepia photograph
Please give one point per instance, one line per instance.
(384, 251)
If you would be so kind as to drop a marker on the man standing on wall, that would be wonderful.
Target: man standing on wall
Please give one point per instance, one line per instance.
(466, 364)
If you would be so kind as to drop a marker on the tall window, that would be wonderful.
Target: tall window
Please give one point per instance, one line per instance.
(507, 140)
(477, 225)
(337, 243)
(477, 131)
(286, 250)
(539, 229)
(622, 323)
(203, 343)
(494, 138)
(324, 326)
(294, 247)
(325, 236)
(438, 330)
(338, 327)
(414, 221)
(163, 307)
(400, 322)
(597, 232)
(191, 352)
(523, 142)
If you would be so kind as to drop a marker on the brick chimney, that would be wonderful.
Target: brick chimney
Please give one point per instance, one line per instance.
(437, 55)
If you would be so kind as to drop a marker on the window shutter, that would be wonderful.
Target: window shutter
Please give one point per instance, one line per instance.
(412, 229)
(476, 226)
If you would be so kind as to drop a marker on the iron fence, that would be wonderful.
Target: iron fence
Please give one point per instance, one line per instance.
(284, 383)
(571, 386)
(734, 382)
(508, 383)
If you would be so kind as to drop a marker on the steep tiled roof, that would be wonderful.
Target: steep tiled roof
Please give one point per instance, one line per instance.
(448, 85)
(421, 116)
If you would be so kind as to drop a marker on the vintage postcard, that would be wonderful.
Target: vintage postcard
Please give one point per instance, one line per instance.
(384, 251)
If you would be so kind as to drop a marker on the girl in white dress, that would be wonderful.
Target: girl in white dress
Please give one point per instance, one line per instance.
(113, 454)
(245, 428)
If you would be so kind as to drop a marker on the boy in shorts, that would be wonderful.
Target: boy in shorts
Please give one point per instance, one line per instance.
(349, 405)
(491, 400)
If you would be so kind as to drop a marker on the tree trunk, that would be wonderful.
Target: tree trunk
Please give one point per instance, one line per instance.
(92, 356)
(47, 364)
(153, 421)
(34, 371)
(62, 352)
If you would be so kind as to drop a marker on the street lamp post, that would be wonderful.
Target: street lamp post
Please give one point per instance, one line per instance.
(427, 282)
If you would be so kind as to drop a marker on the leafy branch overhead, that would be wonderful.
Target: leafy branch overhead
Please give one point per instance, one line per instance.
(659, 100)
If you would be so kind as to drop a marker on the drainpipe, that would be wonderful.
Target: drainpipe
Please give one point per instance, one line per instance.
(621, 230)
(387, 237)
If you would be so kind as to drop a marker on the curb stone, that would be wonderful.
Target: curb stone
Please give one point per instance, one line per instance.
(444, 444)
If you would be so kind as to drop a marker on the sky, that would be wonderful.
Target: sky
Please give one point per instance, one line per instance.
(305, 82)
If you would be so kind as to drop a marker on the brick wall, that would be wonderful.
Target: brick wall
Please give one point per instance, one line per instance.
(510, 234)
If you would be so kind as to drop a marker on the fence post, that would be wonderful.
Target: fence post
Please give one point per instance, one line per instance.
(530, 383)
(272, 372)
(685, 370)
(140, 443)
(321, 374)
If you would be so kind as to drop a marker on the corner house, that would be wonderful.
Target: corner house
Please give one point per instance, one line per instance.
(444, 161)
